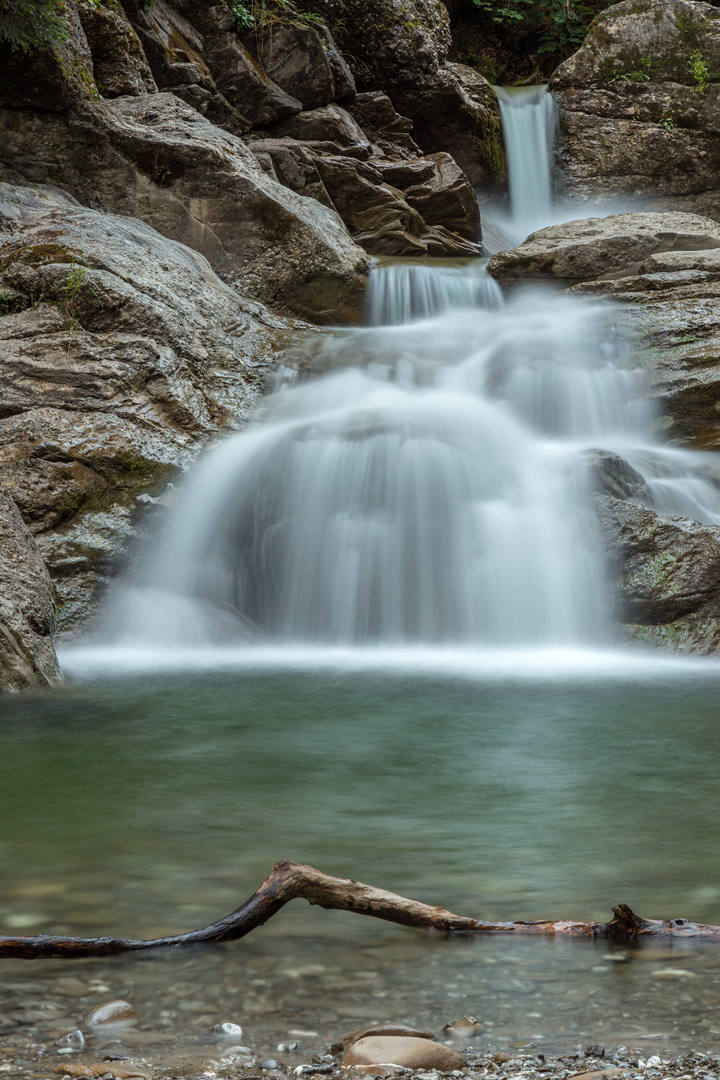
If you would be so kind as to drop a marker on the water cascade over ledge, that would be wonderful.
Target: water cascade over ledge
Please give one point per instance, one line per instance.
(430, 484)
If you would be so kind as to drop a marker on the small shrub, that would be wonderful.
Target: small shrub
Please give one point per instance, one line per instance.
(32, 25)
(699, 71)
(243, 19)
(668, 123)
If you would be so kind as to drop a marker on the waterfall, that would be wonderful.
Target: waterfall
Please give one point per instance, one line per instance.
(401, 292)
(529, 122)
(422, 490)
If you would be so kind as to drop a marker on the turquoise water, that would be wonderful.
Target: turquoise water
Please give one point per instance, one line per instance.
(143, 802)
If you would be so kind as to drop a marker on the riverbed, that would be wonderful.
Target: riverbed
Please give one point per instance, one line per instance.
(145, 802)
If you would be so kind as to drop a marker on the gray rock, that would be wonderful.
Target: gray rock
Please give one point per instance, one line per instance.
(119, 63)
(111, 389)
(27, 607)
(634, 119)
(598, 248)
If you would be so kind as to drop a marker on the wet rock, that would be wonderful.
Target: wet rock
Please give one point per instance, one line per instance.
(635, 118)
(600, 248)
(252, 94)
(666, 575)
(117, 1013)
(269, 1064)
(612, 475)
(331, 124)
(73, 1042)
(27, 606)
(379, 1029)
(466, 1025)
(405, 1051)
(391, 132)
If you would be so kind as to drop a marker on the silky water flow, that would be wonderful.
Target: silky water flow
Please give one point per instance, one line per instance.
(432, 484)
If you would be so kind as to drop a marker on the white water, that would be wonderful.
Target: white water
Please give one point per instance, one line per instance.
(429, 491)
(529, 120)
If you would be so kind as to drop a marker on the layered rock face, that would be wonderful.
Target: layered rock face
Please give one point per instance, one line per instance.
(665, 270)
(402, 47)
(122, 353)
(639, 106)
(27, 606)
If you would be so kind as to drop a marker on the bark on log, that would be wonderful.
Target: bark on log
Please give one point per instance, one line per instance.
(292, 881)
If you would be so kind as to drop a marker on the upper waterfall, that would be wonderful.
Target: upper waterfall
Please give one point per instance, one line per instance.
(529, 122)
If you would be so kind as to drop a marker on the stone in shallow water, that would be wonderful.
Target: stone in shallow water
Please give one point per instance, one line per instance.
(112, 1013)
(228, 1031)
(407, 1051)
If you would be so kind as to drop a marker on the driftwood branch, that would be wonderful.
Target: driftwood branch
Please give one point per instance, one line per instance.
(291, 881)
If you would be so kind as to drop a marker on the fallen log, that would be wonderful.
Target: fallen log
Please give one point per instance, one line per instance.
(292, 881)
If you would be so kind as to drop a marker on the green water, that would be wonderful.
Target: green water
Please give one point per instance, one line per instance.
(146, 803)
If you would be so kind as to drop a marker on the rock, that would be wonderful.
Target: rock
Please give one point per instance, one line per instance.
(331, 124)
(228, 1030)
(401, 47)
(466, 1025)
(391, 132)
(612, 475)
(379, 1029)
(405, 1051)
(112, 389)
(599, 248)
(156, 158)
(256, 99)
(304, 61)
(27, 607)
(270, 1064)
(119, 63)
(666, 573)
(635, 119)
(52, 80)
(112, 1013)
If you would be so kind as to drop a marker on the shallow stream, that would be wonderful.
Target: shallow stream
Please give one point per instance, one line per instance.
(143, 804)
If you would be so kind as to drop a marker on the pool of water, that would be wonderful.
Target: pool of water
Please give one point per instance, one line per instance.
(146, 802)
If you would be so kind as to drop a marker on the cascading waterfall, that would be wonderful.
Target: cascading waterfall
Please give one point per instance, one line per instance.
(428, 485)
(529, 120)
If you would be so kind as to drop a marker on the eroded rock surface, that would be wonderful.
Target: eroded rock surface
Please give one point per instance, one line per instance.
(123, 353)
(27, 606)
(639, 107)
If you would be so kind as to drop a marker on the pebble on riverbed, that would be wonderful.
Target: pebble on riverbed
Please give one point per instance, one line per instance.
(112, 1014)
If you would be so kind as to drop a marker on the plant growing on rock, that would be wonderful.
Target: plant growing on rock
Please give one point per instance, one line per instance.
(243, 19)
(31, 25)
(699, 71)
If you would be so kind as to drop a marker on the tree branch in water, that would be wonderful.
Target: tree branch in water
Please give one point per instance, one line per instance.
(292, 881)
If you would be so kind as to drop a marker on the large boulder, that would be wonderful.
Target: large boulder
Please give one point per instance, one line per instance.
(304, 61)
(123, 353)
(119, 63)
(27, 607)
(638, 112)
(156, 158)
(666, 575)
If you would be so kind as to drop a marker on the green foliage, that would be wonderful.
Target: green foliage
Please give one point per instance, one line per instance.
(32, 25)
(668, 123)
(639, 74)
(243, 19)
(553, 28)
(699, 71)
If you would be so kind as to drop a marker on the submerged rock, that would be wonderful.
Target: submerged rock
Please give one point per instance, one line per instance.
(113, 1014)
